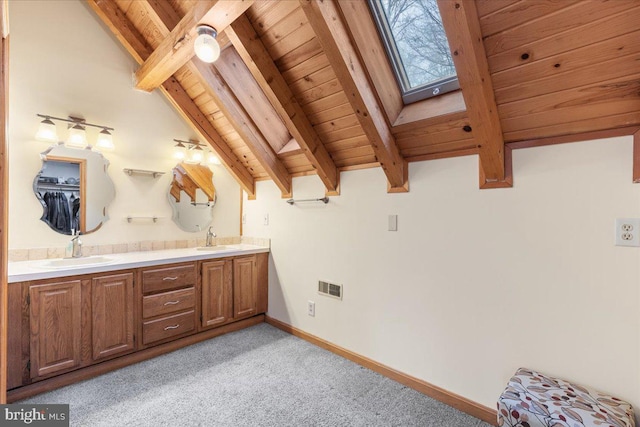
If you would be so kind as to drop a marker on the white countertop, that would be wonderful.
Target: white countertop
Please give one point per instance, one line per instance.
(42, 269)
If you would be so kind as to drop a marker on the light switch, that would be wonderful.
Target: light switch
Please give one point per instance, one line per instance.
(266, 219)
(393, 222)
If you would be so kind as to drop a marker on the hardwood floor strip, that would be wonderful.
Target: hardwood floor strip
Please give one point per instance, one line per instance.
(461, 403)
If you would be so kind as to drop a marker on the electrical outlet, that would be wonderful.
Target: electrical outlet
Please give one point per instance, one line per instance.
(627, 232)
(266, 219)
(311, 308)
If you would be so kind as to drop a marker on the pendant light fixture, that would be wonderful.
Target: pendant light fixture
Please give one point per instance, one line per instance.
(197, 154)
(47, 131)
(206, 46)
(77, 136)
(179, 150)
(192, 152)
(105, 141)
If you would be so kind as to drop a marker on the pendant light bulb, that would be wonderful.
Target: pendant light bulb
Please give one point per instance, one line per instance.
(196, 155)
(206, 46)
(47, 131)
(179, 151)
(105, 140)
(77, 137)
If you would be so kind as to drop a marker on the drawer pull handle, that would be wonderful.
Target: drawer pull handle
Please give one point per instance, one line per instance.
(170, 278)
(172, 302)
(172, 327)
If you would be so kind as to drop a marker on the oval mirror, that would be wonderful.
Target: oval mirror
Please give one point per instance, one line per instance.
(74, 189)
(192, 197)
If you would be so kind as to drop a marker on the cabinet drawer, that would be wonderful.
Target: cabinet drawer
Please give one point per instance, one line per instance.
(168, 302)
(163, 279)
(178, 324)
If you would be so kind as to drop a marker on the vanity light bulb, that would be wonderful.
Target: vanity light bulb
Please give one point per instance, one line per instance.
(179, 152)
(47, 131)
(105, 141)
(77, 137)
(196, 156)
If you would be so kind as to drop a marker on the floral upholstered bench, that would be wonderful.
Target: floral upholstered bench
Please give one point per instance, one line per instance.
(535, 400)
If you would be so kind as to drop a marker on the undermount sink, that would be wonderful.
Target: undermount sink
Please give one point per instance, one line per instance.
(87, 261)
(213, 248)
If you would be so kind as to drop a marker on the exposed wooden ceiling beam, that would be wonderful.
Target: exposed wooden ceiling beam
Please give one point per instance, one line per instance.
(217, 88)
(462, 26)
(135, 44)
(255, 55)
(177, 48)
(327, 23)
(223, 96)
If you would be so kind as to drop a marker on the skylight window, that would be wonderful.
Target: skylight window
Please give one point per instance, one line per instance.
(417, 46)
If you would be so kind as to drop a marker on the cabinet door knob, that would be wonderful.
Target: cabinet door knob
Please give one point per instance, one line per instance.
(172, 302)
(170, 278)
(172, 327)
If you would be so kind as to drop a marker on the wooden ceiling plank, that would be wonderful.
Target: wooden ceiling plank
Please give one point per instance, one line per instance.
(601, 122)
(604, 28)
(621, 90)
(283, 28)
(566, 19)
(134, 43)
(487, 7)
(273, 84)
(461, 24)
(291, 41)
(177, 48)
(565, 62)
(325, 18)
(521, 13)
(298, 55)
(444, 155)
(537, 122)
(309, 66)
(441, 148)
(323, 90)
(596, 72)
(263, 20)
(312, 80)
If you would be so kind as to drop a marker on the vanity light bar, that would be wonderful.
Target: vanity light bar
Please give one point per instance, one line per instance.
(75, 120)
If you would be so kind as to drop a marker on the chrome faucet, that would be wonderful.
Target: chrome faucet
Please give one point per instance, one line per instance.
(210, 236)
(76, 252)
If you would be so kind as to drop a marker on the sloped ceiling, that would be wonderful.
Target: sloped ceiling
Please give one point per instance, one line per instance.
(304, 87)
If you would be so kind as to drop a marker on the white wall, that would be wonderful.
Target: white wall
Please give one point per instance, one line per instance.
(475, 283)
(64, 61)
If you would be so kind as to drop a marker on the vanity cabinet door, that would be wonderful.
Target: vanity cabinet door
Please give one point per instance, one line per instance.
(112, 305)
(245, 287)
(217, 288)
(55, 312)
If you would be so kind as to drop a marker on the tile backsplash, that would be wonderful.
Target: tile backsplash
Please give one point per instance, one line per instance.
(145, 245)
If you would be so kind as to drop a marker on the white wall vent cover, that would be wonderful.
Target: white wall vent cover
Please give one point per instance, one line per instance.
(330, 289)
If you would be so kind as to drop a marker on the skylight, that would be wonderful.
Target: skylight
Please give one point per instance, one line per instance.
(417, 46)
